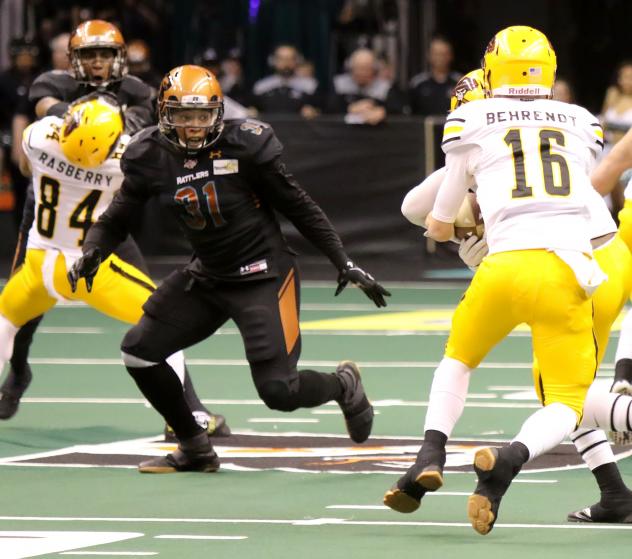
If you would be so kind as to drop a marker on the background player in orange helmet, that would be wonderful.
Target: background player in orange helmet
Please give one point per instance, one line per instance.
(98, 63)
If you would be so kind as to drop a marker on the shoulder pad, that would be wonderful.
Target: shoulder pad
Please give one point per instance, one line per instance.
(453, 129)
(463, 126)
(27, 132)
(139, 144)
(255, 138)
(56, 83)
(592, 128)
(135, 86)
(41, 133)
(142, 159)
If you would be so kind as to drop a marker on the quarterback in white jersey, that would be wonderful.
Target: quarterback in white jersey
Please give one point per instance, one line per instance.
(68, 197)
(501, 139)
(530, 159)
(613, 252)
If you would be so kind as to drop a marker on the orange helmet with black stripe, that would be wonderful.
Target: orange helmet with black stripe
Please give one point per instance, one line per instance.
(190, 98)
(89, 37)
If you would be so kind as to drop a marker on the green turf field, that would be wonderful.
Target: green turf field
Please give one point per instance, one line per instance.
(291, 486)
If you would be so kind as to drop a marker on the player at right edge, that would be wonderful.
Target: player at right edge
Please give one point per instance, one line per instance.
(529, 157)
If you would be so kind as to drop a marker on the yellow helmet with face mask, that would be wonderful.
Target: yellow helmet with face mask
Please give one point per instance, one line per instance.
(519, 62)
(91, 131)
(469, 88)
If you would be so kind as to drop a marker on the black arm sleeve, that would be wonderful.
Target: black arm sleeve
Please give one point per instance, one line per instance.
(58, 109)
(284, 193)
(28, 215)
(113, 226)
(138, 97)
(137, 118)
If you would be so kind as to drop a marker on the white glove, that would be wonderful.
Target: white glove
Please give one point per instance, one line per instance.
(472, 251)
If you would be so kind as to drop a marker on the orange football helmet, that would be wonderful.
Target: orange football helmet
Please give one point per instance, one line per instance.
(190, 87)
(97, 34)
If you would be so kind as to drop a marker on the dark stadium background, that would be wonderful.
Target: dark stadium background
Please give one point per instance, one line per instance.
(591, 38)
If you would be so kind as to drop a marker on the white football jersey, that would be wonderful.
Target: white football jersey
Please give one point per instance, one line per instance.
(68, 198)
(531, 162)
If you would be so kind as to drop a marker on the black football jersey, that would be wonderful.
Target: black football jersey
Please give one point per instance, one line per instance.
(129, 91)
(224, 198)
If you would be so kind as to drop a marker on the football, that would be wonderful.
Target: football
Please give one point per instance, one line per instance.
(469, 220)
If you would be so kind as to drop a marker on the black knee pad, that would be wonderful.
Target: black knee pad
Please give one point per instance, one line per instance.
(276, 395)
(137, 343)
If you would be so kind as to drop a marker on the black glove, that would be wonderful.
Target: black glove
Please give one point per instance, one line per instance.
(86, 267)
(366, 282)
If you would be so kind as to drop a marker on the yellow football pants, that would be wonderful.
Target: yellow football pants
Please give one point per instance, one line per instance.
(615, 259)
(119, 289)
(537, 288)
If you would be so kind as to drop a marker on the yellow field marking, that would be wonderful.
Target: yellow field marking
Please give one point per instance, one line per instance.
(428, 320)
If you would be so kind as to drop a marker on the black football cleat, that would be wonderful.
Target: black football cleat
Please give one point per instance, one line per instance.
(12, 390)
(495, 473)
(355, 406)
(193, 455)
(423, 476)
(622, 383)
(9, 405)
(619, 514)
(214, 424)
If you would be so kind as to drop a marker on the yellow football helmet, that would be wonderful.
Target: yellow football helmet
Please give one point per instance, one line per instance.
(519, 62)
(469, 88)
(91, 131)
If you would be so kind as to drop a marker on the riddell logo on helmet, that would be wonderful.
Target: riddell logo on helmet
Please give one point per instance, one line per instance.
(523, 91)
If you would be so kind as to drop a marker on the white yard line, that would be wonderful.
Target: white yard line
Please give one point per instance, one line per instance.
(231, 402)
(313, 521)
(186, 537)
(111, 553)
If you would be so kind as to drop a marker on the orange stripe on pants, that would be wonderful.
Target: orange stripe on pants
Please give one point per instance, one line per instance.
(289, 312)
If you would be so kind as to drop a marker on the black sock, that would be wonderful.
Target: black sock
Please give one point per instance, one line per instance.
(623, 369)
(435, 438)
(317, 388)
(190, 395)
(432, 450)
(518, 453)
(162, 388)
(610, 483)
(20, 374)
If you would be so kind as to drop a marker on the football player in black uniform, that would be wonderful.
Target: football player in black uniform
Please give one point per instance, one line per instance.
(223, 181)
(98, 61)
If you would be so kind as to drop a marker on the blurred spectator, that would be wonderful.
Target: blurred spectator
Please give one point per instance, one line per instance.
(430, 91)
(284, 91)
(362, 94)
(305, 69)
(232, 108)
(361, 24)
(563, 91)
(210, 60)
(16, 113)
(231, 77)
(616, 113)
(139, 63)
(59, 52)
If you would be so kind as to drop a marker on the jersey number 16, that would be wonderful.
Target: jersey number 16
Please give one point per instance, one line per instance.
(521, 190)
